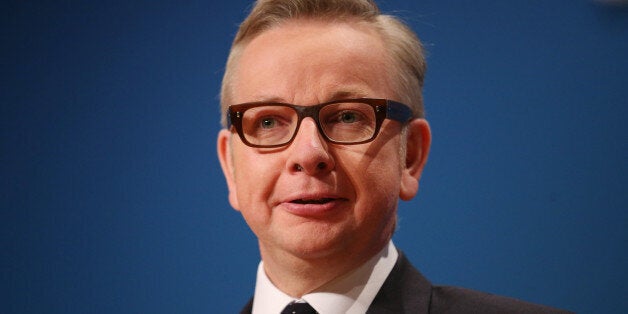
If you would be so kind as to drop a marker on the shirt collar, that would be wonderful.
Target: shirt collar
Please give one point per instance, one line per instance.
(351, 293)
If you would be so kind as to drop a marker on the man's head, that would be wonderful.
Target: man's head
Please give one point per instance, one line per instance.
(404, 49)
(312, 198)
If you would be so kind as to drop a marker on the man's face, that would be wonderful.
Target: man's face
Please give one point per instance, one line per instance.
(314, 199)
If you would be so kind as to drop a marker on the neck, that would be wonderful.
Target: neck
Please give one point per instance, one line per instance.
(297, 276)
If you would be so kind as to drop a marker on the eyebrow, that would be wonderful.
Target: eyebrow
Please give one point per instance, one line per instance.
(355, 93)
(268, 99)
(337, 95)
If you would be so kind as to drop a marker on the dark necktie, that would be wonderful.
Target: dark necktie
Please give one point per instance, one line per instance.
(298, 308)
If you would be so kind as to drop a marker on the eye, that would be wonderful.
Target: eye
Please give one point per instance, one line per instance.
(347, 117)
(268, 123)
(347, 114)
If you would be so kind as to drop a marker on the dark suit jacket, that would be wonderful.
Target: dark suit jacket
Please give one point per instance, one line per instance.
(407, 291)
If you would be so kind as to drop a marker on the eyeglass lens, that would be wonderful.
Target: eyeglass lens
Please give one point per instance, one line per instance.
(341, 122)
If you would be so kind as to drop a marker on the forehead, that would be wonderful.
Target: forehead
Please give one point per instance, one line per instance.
(311, 60)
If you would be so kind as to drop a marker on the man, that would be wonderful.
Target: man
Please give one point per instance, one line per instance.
(324, 132)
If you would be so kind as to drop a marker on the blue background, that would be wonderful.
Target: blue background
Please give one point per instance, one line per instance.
(113, 200)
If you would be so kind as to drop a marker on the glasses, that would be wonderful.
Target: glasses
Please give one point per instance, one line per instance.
(347, 121)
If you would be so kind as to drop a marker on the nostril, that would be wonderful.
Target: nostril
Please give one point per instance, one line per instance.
(319, 166)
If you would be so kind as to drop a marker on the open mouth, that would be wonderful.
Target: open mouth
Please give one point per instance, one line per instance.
(313, 201)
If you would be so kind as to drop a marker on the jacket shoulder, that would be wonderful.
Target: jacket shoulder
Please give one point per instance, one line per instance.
(447, 299)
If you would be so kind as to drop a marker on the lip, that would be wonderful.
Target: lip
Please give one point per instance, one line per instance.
(313, 205)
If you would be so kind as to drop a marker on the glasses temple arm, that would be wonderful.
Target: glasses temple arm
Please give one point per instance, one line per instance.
(398, 111)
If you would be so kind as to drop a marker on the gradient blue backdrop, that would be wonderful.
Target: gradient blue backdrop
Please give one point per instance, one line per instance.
(113, 200)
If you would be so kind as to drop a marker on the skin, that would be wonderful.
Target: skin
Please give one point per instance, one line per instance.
(305, 244)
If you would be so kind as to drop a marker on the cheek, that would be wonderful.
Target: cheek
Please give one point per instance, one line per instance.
(377, 182)
(255, 180)
(255, 176)
(385, 181)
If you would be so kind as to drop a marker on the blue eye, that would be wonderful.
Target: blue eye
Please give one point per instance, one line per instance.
(347, 117)
(268, 123)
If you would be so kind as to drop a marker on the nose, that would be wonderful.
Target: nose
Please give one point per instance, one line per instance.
(309, 152)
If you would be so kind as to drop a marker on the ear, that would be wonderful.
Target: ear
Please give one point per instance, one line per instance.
(226, 163)
(418, 142)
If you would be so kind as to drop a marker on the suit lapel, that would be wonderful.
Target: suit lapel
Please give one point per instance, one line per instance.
(404, 291)
(248, 308)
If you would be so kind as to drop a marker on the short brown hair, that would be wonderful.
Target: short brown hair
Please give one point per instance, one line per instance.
(404, 46)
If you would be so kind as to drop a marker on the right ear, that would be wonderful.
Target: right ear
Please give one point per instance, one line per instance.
(226, 163)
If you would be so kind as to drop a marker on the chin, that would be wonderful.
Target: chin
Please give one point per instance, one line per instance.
(313, 245)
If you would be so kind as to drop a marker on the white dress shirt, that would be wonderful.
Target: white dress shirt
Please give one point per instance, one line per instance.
(350, 293)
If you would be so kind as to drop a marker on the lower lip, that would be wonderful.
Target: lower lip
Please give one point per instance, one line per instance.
(313, 210)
